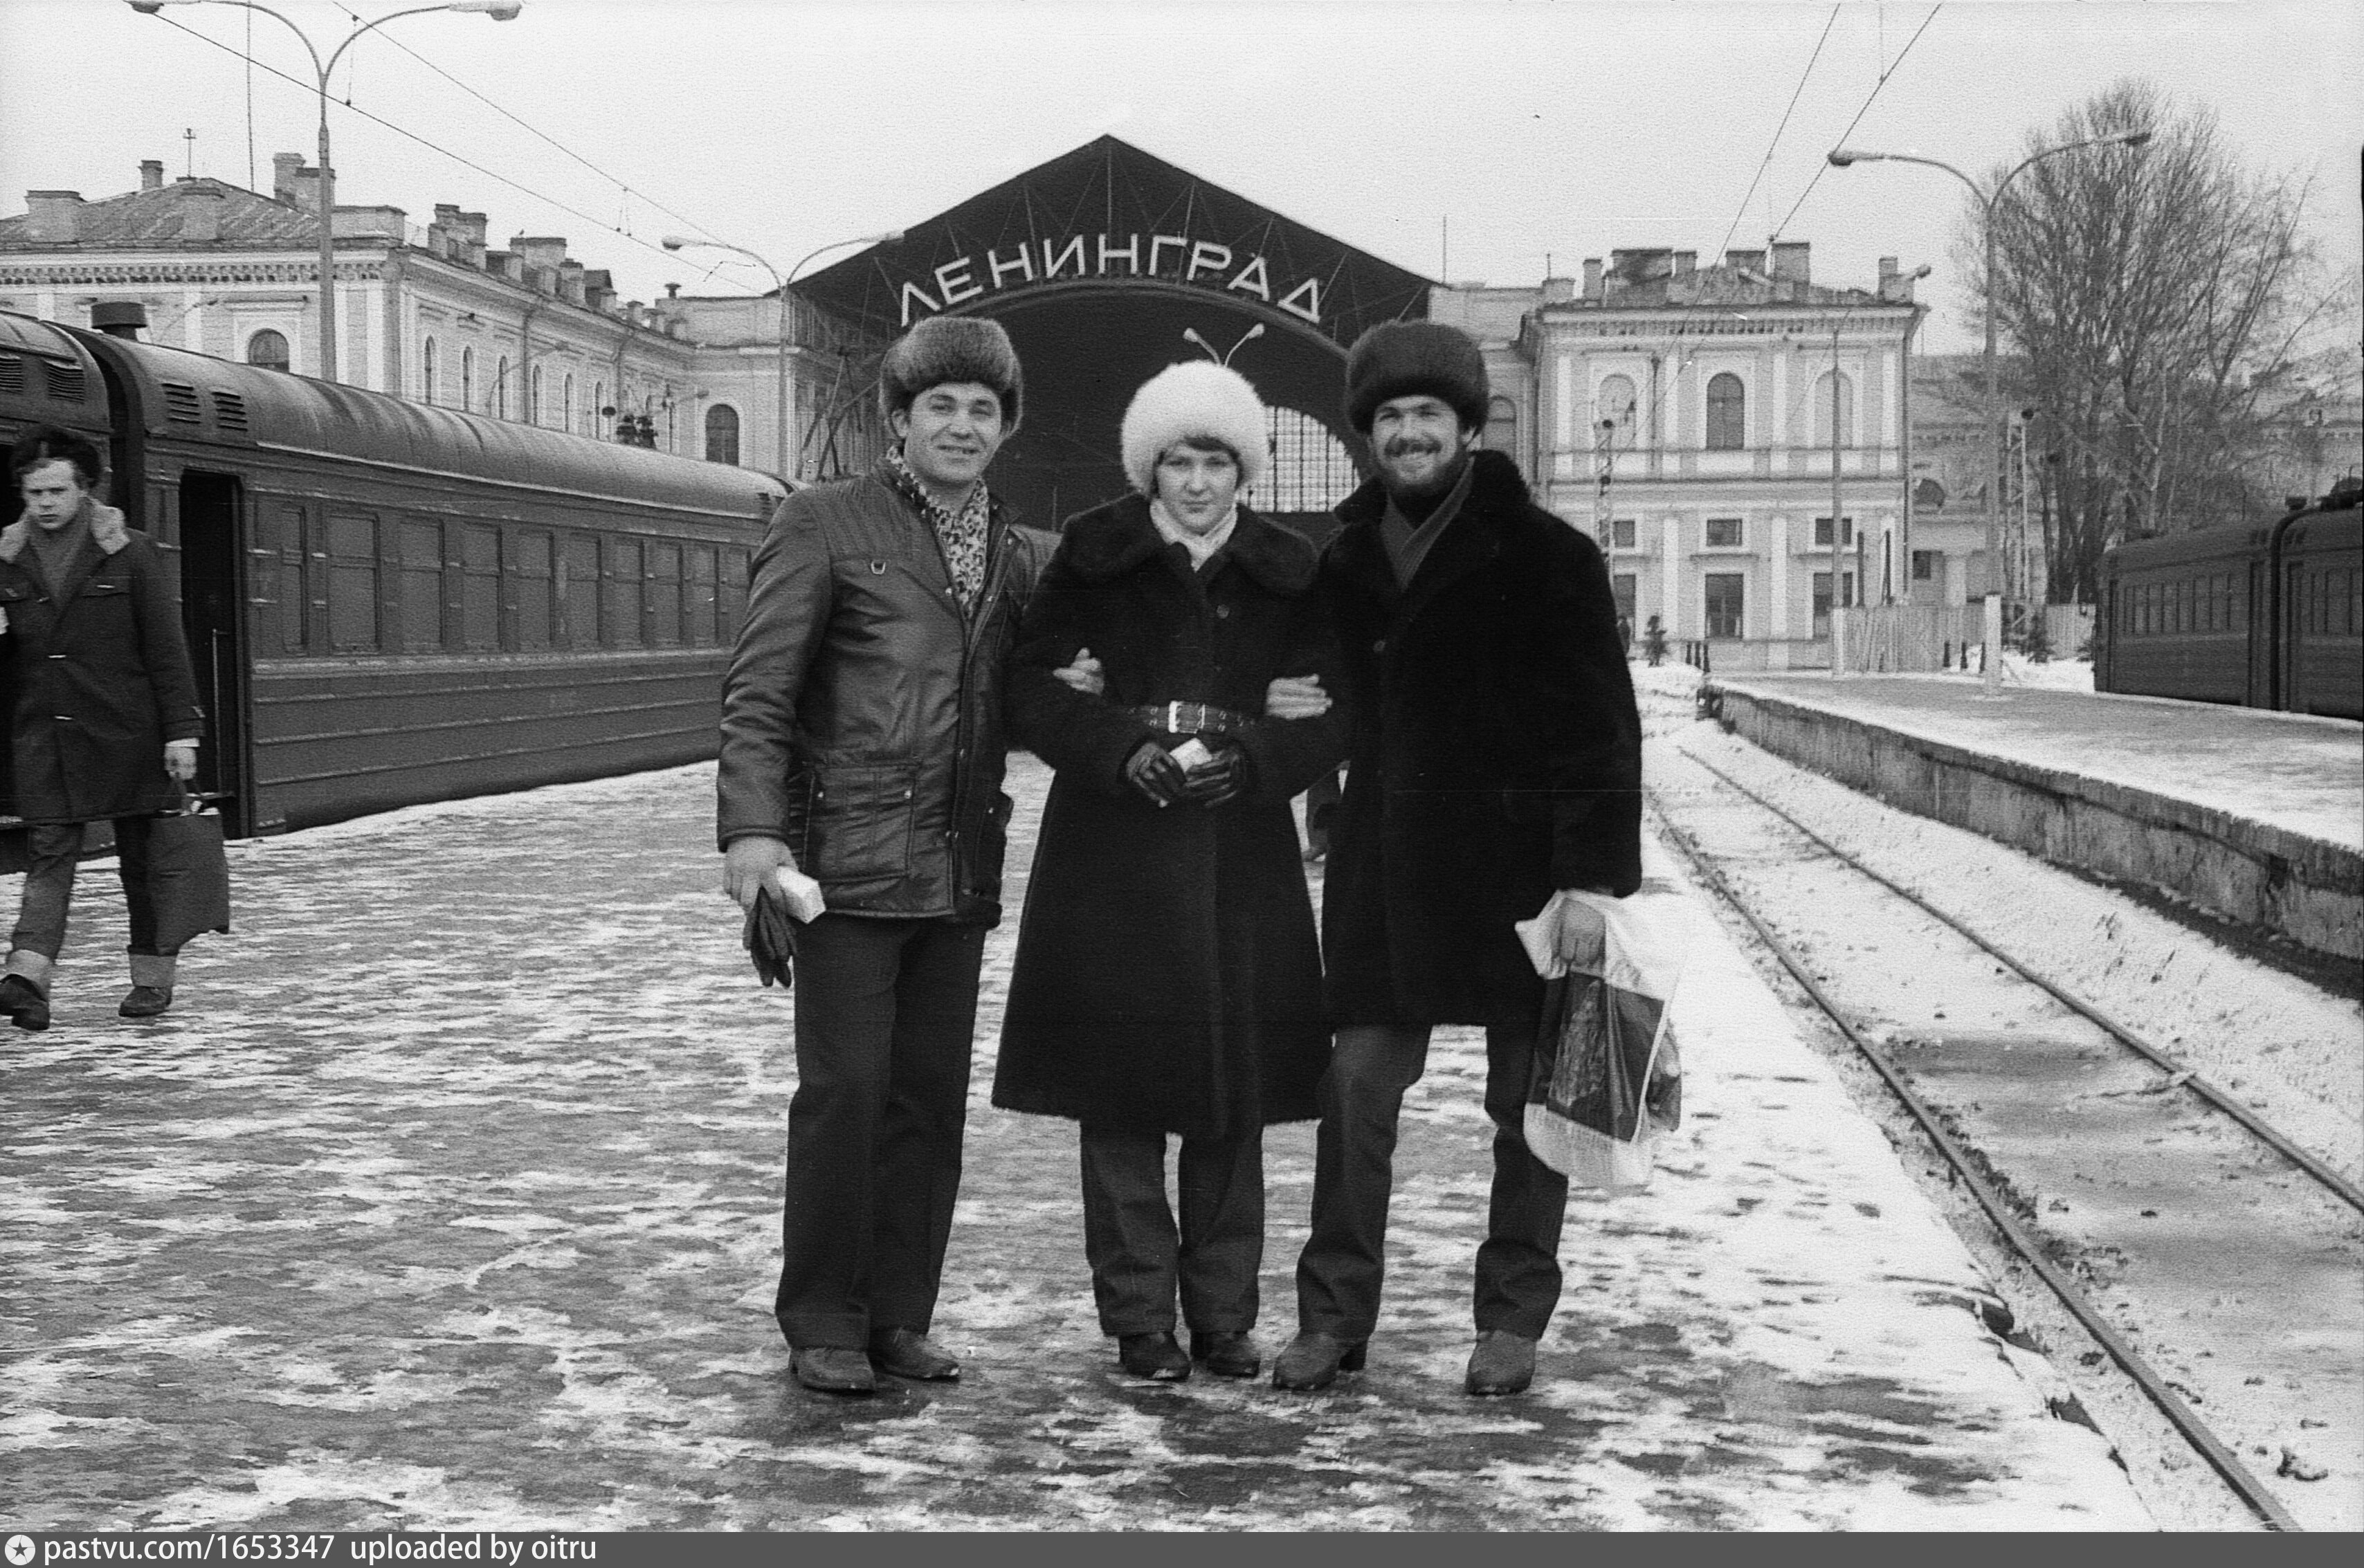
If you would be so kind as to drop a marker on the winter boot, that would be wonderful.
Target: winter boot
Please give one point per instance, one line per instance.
(24, 989)
(152, 985)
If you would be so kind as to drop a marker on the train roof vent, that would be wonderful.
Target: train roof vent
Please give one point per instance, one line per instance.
(65, 381)
(230, 411)
(181, 404)
(12, 373)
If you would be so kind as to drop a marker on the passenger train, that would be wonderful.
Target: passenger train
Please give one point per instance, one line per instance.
(2266, 615)
(389, 602)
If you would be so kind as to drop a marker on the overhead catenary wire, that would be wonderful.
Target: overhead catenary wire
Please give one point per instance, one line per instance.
(1821, 167)
(1773, 145)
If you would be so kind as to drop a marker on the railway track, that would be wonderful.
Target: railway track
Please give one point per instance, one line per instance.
(1957, 1089)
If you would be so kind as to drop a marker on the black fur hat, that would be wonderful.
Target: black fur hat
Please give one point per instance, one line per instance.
(953, 348)
(1400, 359)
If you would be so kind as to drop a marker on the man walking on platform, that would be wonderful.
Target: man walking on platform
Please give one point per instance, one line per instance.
(1495, 759)
(861, 747)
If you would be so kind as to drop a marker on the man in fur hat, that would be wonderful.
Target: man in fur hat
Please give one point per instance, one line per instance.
(862, 752)
(1495, 759)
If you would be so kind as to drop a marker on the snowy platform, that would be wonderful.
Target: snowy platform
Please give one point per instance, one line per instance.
(446, 1197)
(2256, 816)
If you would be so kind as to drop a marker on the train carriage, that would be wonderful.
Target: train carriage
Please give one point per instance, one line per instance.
(2321, 645)
(389, 602)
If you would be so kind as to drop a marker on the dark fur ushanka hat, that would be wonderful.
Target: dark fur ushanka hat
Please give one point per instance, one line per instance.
(1403, 359)
(952, 349)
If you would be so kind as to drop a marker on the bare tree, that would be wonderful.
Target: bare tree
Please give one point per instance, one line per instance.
(2163, 302)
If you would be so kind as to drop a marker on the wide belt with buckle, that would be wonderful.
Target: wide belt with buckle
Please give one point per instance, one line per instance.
(1190, 718)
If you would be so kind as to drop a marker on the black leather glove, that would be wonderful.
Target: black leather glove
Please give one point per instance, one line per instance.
(1224, 778)
(771, 939)
(1152, 771)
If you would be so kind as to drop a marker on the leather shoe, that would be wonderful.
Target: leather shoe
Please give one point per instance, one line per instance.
(1227, 1352)
(144, 1002)
(1313, 1360)
(1154, 1356)
(1502, 1362)
(23, 1002)
(832, 1369)
(907, 1353)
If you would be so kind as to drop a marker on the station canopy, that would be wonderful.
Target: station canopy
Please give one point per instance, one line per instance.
(1097, 263)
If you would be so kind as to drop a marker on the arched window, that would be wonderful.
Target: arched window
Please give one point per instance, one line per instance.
(1502, 427)
(566, 412)
(1311, 470)
(268, 349)
(1616, 404)
(722, 434)
(1727, 412)
(427, 388)
(1823, 409)
(501, 389)
(533, 397)
(468, 380)
(597, 411)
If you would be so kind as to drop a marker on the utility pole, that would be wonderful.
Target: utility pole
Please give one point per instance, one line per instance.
(1838, 623)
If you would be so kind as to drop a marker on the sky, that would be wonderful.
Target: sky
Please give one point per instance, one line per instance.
(1480, 140)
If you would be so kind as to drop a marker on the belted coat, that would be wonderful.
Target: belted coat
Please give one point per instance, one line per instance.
(862, 714)
(1496, 754)
(98, 668)
(1168, 976)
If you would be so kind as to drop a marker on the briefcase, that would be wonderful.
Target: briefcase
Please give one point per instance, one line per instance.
(188, 874)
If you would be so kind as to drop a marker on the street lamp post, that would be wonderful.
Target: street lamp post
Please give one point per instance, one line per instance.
(498, 10)
(780, 343)
(1987, 202)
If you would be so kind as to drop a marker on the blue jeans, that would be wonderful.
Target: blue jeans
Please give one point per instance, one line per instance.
(52, 849)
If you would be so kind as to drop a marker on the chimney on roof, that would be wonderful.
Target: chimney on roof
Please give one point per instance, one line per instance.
(539, 251)
(283, 168)
(54, 216)
(1790, 261)
(119, 318)
(1592, 277)
(1686, 263)
(1745, 261)
(308, 189)
(570, 282)
(1558, 290)
(151, 174)
(201, 212)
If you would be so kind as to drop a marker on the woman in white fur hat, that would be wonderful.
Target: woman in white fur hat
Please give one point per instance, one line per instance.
(1168, 979)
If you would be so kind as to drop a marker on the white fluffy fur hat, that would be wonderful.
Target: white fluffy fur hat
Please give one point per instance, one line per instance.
(1196, 397)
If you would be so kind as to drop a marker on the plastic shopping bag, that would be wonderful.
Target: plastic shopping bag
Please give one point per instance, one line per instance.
(1607, 1073)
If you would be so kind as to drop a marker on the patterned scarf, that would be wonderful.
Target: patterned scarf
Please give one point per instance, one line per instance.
(962, 533)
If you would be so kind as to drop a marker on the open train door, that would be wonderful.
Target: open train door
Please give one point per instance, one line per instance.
(212, 508)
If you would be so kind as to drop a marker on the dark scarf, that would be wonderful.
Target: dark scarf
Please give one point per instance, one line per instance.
(1412, 524)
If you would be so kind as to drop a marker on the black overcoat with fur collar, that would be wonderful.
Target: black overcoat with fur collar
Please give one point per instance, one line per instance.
(1496, 754)
(1168, 976)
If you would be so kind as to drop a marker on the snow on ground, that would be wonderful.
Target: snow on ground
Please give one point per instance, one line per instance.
(446, 1197)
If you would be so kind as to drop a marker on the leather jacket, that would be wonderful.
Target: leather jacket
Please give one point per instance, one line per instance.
(862, 712)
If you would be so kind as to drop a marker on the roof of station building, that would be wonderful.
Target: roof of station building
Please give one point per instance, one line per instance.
(147, 218)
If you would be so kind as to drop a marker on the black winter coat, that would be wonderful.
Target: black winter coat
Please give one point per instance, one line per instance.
(862, 712)
(99, 672)
(1496, 755)
(1168, 976)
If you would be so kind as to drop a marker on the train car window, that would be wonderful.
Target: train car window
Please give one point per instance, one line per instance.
(619, 608)
(664, 595)
(480, 588)
(418, 585)
(732, 593)
(579, 591)
(282, 539)
(703, 603)
(529, 588)
(353, 584)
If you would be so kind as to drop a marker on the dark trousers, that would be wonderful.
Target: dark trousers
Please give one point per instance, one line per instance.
(52, 849)
(885, 1010)
(1139, 1258)
(1339, 1274)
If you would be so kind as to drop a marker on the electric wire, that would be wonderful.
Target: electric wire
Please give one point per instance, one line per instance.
(1824, 168)
(1775, 144)
(2203, 1440)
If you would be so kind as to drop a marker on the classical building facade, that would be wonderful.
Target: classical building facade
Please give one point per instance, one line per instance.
(523, 332)
(1683, 416)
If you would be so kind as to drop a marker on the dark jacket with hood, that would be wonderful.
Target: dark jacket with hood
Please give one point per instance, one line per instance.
(1497, 754)
(99, 672)
(1168, 977)
(862, 712)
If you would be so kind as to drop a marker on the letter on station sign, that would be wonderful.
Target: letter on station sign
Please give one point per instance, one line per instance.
(1072, 258)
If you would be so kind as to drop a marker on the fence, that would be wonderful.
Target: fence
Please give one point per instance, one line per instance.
(1912, 639)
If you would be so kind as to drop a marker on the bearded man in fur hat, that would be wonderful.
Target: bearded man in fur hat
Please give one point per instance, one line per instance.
(862, 752)
(1494, 758)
